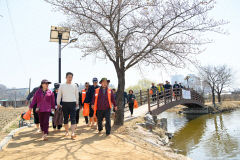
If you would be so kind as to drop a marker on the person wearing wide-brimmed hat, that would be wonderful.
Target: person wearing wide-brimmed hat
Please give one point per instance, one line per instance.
(103, 100)
(44, 98)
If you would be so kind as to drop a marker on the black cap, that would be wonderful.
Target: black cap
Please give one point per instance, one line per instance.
(56, 85)
(95, 80)
(45, 81)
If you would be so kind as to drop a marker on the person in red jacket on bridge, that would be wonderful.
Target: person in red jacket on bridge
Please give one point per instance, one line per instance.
(103, 100)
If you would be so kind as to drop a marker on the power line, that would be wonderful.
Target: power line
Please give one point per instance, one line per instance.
(15, 37)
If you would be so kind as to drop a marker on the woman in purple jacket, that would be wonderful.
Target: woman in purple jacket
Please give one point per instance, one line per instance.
(44, 98)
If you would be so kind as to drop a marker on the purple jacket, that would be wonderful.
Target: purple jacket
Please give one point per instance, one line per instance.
(44, 102)
(102, 103)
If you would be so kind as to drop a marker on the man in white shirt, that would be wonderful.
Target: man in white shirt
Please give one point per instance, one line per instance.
(68, 92)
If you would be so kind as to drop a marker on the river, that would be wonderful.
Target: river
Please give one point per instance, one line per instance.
(206, 137)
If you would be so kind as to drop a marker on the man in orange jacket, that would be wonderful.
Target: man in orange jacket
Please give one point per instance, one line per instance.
(103, 100)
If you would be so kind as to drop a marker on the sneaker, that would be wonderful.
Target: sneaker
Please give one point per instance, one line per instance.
(73, 136)
(45, 137)
(66, 134)
(39, 131)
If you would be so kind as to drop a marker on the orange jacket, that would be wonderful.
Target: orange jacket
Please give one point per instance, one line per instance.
(109, 91)
(85, 105)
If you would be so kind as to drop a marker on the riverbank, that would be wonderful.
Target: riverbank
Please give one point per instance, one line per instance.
(225, 106)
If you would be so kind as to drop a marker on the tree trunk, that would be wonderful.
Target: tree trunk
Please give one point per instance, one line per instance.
(213, 97)
(219, 97)
(119, 119)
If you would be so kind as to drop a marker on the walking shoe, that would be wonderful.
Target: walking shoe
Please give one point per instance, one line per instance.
(66, 134)
(45, 137)
(73, 137)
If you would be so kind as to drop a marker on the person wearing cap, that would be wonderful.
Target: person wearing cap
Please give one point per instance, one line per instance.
(45, 101)
(103, 100)
(69, 95)
(35, 114)
(88, 99)
(55, 91)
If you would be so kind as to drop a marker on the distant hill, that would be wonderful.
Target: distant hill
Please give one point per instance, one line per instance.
(12, 93)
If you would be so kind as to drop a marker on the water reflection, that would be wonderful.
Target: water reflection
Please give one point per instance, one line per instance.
(189, 136)
(208, 136)
(221, 143)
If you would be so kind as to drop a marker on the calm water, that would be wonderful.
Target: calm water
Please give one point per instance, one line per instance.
(207, 137)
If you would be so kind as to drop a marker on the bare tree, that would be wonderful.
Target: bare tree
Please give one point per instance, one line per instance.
(130, 32)
(224, 79)
(209, 75)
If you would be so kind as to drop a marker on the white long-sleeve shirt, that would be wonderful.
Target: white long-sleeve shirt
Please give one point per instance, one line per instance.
(68, 93)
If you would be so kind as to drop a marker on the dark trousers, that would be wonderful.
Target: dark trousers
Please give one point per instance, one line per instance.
(130, 105)
(91, 112)
(154, 97)
(54, 126)
(69, 108)
(44, 121)
(77, 115)
(35, 114)
(86, 119)
(104, 114)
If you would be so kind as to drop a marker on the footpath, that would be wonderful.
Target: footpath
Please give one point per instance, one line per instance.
(27, 145)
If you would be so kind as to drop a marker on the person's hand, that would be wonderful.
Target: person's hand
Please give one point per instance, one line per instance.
(26, 102)
(37, 109)
(92, 106)
(116, 108)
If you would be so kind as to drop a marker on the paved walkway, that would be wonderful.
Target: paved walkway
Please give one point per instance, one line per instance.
(27, 144)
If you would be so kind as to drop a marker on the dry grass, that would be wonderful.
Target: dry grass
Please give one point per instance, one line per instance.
(9, 117)
(226, 105)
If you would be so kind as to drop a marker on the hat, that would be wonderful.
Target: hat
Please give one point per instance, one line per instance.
(56, 85)
(45, 81)
(103, 79)
(95, 80)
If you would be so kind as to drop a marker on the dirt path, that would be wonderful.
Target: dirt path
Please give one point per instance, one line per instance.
(88, 145)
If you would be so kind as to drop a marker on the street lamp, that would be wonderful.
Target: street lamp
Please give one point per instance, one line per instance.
(60, 35)
(71, 41)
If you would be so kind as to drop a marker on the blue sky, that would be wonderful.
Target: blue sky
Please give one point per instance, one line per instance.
(25, 50)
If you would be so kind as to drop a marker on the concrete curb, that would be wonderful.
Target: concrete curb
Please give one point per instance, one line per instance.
(9, 137)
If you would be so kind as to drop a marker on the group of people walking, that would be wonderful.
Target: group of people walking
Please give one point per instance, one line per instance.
(166, 89)
(65, 101)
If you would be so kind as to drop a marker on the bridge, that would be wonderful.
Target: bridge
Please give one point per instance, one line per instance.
(167, 99)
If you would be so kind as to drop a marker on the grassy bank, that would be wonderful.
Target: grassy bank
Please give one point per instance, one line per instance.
(224, 106)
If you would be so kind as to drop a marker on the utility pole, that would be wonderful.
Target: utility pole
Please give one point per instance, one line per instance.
(29, 87)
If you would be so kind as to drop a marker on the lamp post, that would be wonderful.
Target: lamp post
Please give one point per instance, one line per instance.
(60, 35)
(187, 78)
